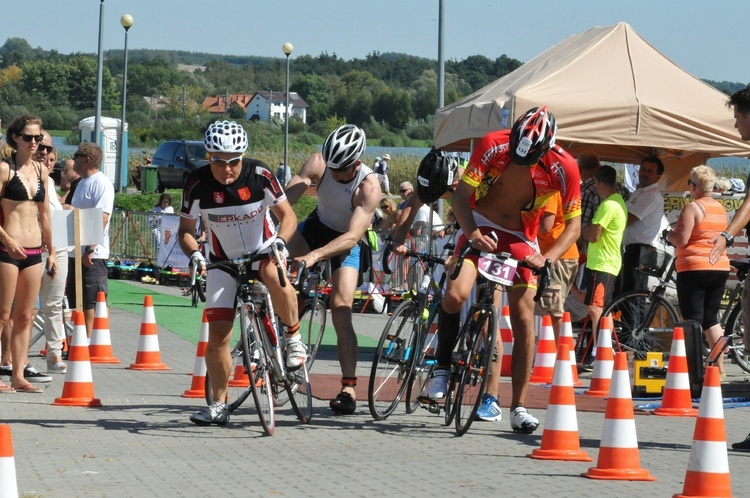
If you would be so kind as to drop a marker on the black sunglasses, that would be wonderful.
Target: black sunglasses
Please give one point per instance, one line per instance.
(45, 148)
(80, 154)
(29, 138)
(402, 191)
(690, 182)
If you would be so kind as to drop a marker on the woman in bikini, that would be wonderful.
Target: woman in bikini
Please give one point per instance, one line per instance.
(25, 229)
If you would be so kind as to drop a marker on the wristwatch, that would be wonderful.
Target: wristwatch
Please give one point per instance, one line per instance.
(89, 250)
(730, 239)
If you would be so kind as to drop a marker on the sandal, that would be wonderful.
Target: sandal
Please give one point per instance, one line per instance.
(7, 389)
(28, 388)
(343, 404)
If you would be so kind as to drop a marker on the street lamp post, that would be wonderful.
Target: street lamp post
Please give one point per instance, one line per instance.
(126, 21)
(99, 73)
(287, 48)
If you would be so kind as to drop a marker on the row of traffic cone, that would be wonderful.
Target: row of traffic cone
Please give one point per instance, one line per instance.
(78, 389)
(708, 468)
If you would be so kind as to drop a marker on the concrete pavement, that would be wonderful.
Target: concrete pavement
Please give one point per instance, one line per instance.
(141, 443)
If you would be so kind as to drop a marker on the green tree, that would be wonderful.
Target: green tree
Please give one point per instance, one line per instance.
(15, 51)
(317, 93)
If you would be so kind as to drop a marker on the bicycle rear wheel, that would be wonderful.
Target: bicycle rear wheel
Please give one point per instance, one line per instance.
(259, 372)
(736, 332)
(476, 350)
(297, 384)
(312, 326)
(643, 323)
(393, 361)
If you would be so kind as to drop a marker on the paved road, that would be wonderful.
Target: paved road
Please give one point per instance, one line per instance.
(140, 443)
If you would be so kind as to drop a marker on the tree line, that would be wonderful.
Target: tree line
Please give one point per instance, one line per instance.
(392, 96)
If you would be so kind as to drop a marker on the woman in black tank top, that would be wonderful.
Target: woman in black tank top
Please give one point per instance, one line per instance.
(25, 226)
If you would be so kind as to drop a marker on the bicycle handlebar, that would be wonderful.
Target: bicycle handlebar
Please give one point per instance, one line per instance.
(422, 256)
(249, 259)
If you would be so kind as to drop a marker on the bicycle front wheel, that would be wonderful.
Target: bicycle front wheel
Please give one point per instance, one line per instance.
(259, 372)
(393, 361)
(736, 332)
(476, 350)
(643, 323)
(312, 326)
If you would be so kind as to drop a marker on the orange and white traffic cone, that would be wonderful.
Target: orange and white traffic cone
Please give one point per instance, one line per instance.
(148, 356)
(618, 450)
(78, 389)
(566, 337)
(676, 400)
(708, 466)
(560, 439)
(239, 376)
(198, 386)
(506, 336)
(546, 351)
(603, 361)
(100, 348)
(8, 480)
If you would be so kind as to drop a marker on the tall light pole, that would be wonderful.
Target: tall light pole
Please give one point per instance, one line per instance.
(126, 21)
(287, 48)
(99, 72)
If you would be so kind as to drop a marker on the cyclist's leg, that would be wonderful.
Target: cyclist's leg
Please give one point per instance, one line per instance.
(220, 311)
(285, 305)
(344, 284)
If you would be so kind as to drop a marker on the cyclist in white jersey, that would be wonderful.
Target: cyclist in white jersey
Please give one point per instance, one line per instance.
(234, 197)
(348, 193)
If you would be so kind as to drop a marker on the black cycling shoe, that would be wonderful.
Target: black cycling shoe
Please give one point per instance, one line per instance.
(343, 404)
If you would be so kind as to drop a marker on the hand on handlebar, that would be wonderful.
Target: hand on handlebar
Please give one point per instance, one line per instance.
(485, 242)
(535, 261)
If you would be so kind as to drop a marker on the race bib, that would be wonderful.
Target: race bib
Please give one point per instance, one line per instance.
(498, 268)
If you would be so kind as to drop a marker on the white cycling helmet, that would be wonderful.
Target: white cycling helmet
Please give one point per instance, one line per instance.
(225, 136)
(343, 147)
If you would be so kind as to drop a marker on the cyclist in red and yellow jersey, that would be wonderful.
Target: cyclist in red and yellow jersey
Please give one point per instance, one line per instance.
(511, 176)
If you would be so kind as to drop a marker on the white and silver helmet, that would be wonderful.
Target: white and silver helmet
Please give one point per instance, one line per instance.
(344, 147)
(225, 136)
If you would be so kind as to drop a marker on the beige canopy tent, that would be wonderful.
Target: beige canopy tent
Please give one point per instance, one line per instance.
(612, 94)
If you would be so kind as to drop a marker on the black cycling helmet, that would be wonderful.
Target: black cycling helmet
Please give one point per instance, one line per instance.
(343, 147)
(532, 136)
(435, 175)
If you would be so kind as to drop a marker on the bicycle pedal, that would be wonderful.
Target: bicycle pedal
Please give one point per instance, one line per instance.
(429, 404)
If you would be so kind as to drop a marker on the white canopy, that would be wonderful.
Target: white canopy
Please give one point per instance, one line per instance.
(612, 94)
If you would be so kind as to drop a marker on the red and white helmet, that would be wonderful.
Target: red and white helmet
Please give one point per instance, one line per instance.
(532, 136)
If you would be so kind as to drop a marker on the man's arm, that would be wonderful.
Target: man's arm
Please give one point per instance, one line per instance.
(740, 220)
(406, 219)
(185, 236)
(592, 232)
(287, 220)
(311, 172)
(632, 219)
(465, 218)
(365, 202)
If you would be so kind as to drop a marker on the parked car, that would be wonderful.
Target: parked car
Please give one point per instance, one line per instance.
(175, 160)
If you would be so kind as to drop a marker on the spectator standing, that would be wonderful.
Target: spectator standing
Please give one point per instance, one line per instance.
(381, 168)
(645, 212)
(405, 190)
(26, 228)
(283, 174)
(72, 178)
(604, 235)
(94, 190)
(563, 271)
(700, 284)
(739, 102)
(52, 291)
(163, 206)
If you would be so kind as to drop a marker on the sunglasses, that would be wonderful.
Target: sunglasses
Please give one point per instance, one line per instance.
(234, 161)
(403, 191)
(79, 154)
(29, 138)
(690, 182)
(45, 148)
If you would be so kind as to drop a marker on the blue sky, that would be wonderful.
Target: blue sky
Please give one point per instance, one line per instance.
(708, 39)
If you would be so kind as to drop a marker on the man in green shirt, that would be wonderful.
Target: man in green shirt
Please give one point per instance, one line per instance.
(604, 236)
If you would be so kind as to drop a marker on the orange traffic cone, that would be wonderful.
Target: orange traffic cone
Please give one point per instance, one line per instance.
(546, 351)
(566, 337)
(708, 466)
(239, 376)
(100, 348)
(618, 450)
(560, 437)
(8, 481)
(148, 356)
(198, 386)
(603, 361)
(78, 389)
(676, 401)
(506, 336)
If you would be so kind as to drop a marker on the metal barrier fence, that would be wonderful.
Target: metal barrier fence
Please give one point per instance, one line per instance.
(131, 235)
